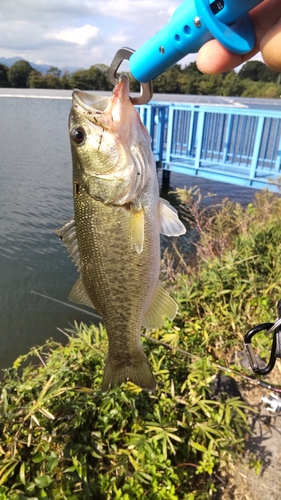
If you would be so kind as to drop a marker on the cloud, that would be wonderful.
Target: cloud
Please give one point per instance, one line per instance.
(67, 33)
(79, 33)
(138, 12)
(70, 33)
(81, 36)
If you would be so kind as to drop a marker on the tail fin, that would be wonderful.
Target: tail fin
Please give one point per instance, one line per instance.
(137, 371)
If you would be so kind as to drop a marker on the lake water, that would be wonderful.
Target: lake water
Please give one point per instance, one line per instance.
(35, 199)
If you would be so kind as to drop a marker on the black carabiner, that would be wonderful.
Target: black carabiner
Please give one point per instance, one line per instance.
(250, 352)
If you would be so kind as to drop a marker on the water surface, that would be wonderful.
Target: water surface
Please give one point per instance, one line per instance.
(35, 199)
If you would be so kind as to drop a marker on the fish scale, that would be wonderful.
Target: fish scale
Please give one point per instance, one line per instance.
(117, 268)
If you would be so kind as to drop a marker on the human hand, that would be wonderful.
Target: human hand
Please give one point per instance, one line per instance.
(266, 17)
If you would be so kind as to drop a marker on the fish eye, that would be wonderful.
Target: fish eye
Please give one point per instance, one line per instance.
(78, 135)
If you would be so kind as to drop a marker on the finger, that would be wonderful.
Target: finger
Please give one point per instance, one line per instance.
(213, 58)
(271, 47)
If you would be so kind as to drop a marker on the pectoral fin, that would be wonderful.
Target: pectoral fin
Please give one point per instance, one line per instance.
(170, 225)
(79, 295)
(162, 305)
(137, 227)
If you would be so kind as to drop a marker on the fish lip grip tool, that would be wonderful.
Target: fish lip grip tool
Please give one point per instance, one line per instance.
(193, 23)
(146, 92)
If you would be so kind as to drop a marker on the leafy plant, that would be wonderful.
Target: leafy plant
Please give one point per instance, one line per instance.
(236, 282)
(62, 438)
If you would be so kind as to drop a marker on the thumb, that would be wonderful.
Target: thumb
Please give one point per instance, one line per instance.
(271, 47)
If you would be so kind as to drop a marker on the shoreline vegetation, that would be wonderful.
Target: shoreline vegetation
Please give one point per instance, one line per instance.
(254, 79)
(61, 438)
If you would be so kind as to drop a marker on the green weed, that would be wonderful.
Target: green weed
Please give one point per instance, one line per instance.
(237, 280)
(62, 438)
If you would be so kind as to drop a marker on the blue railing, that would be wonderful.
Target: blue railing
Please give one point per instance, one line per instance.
(155, 118)
(235, 145)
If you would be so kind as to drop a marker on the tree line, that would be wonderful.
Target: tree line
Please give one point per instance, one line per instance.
(254, 79)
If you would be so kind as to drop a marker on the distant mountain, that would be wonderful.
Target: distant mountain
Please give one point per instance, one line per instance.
(9, 61)
(43, 68)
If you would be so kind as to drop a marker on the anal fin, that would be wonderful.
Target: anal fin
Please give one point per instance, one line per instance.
(170, 225)
(79, 294)
(162, 305)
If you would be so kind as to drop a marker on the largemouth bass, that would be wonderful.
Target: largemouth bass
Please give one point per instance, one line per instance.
(114, 237)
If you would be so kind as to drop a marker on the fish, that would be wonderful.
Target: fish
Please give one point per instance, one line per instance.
(114, 237)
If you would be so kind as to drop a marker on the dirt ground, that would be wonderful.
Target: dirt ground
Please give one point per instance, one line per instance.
(258, 475)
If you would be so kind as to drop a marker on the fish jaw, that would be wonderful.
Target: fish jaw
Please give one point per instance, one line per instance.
(115, 154)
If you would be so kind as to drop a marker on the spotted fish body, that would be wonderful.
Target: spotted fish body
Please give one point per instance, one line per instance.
(115, 236)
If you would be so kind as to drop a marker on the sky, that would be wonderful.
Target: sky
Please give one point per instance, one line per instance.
(79, 33)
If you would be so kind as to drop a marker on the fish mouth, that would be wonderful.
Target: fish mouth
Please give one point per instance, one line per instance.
(122, 88)
(88, 102)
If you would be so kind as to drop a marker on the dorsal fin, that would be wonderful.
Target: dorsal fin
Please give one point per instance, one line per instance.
(68, 236)
(162, 305)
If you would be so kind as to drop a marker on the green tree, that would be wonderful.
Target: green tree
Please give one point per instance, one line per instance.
(65, 80)
(210, 85)
(98, 75)
(18, 74)
(94, 78)
(257, 71)
(261, 89)
(53, 70)
(190, 79)
(192, 69)
(232, 85)
(189, 84)
(253, 80)
(52, 81)
(4, 82)
(35, 80)
(80, 79)
(169, 81)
